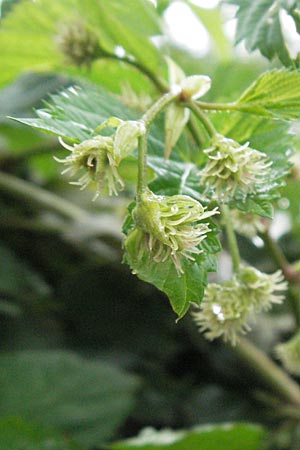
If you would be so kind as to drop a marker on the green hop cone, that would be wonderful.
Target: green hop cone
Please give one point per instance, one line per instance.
(169, 227)
(232, 166)
(99, 157)
(78, 43)
(94, 159)
(289, 354)
(263, 289)
(223, 312)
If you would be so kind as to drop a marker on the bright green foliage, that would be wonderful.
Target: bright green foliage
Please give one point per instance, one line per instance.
(260, 27)
(211, 437)
(274, 94)
(61, 390)
(16, 434)
(39, 24)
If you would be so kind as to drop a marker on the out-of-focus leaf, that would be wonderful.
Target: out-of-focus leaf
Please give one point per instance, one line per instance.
(257, 206)
(16, 435)
(129, 25)
(260, 27)
(86, 400)
(210, 437)
(275, 94)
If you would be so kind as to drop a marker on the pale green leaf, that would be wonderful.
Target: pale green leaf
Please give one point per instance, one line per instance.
(259, 25)
(210, 437)
(84, 399)
(275, 94)
(29, 33)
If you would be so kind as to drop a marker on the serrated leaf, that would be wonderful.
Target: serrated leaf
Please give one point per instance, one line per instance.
(209, 437)
(17, 434)
(84, 399)
(275, 94)
(174, 177)
(258, 24)
(261, 207)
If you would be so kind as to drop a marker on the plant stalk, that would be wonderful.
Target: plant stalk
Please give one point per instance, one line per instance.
(268, 372)
(231, 238)
(211, 131)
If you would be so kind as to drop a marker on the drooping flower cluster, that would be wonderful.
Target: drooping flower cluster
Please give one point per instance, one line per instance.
(247, 224)
(232, 166)
(98, 158)
(170, 227)
(78, 43)
(289, 354)
(228, 307)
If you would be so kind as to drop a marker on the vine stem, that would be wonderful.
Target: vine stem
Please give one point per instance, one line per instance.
(32, 193)
(269, 373)
(148, 118)
(211, 131)
(231, 238)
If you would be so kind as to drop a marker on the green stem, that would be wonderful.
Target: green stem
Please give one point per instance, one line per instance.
(217, 106)
(157, 82)
(34, 194)
(155, 109)
(142, 166)
(211, 131)
(231, 238)
(270, 374)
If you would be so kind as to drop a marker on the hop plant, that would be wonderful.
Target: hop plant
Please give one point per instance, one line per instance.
(289, 354)
(170, 227)
(99, 157)
(223, 312)
(232, 166)
(263, 289)
(228, 307)
(247, 224)
(78, 43)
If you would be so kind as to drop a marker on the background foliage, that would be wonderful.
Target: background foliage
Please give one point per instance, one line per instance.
(91, 355)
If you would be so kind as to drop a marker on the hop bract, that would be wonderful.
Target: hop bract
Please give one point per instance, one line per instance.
(289, 354)
(223, 312)
(232, 166)
(263, 289)
(172, 227)
(99, 157)
(94, 159)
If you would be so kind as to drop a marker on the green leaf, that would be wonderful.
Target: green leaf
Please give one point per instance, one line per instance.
(174, 177)
(16, 434)
(210, 437)
(181, 290)
(87, 400)
(257, 206)
(129, 25)
(274, 94)
(258, 24)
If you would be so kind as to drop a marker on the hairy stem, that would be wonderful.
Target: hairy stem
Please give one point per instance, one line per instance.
(211, 131)
(34, 194)
(269, 373)
(231, 238)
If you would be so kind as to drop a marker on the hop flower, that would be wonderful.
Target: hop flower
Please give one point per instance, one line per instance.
(78, 43)
(223, 312)
(227, 307)
(171, 226)
(232, 166)
(100, 156)
(263, 289)
(289, 354)
(95, 158)
(247, 224)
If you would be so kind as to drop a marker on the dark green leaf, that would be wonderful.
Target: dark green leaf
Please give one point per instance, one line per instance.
(84, 399)
(210, 437)
(259, 26)
(16, 435)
